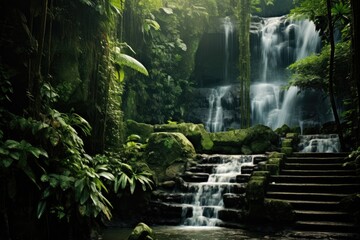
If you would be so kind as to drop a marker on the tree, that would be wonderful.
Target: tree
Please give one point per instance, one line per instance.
(331, 74)
(244, 61)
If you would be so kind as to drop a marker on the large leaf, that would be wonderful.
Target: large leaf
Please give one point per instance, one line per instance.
(126, 60)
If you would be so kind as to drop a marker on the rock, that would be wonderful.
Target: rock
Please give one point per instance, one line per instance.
(168, 184)
(168, 153)
(283, 130)
(141, 129)
(142, 232)
(196, 134)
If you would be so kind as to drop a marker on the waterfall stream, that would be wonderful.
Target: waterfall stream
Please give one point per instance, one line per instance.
(208, 196)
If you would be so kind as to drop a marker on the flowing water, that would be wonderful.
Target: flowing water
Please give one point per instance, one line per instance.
(208, 196)
(327, 143)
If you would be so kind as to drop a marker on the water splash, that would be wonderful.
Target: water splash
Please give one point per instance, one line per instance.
(215, 121)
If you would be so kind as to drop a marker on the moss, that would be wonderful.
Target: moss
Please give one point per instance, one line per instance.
(255, 189)
(277, 155)
(283, 130)
(141, 129)
(292, 135)
(246, 150)
(168, 149)
(142, 232)
(261, 173)
(287, 142)
(274, 169)
(275, 161)
(260, 146)
(279, 211)
(287, 150)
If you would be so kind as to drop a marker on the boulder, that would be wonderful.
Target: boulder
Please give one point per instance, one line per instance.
(142, 232)
(168, 153)
(141, 129)
(196, 134)
(256, 139)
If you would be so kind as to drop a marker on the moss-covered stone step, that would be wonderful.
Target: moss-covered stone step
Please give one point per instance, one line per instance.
(326, 226)
(169, 197)
(318, 172)
(306, 196)
(314, 179)
(311, 215)
(314, 188)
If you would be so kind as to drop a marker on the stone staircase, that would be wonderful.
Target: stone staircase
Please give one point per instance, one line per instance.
(314, 184)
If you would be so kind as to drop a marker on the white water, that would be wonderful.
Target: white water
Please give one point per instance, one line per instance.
(282, 41)
(319, 143)
(215, 121)
(208, 198)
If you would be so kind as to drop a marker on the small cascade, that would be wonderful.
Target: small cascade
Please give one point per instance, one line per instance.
(215, 121)
(327, 143)
(226, 178)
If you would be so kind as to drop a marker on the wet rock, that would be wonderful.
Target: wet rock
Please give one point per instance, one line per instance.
(142, 232)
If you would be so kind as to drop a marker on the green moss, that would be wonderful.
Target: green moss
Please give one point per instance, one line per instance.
(260, 173)
(274, 169)
(287, 150)
(141, 129)
(275, 161)
(142, 232)
(255, 189)
(168, 149)
(292, 135)
(283, 130)
(260, 146)
(287, 142)
(277, 155)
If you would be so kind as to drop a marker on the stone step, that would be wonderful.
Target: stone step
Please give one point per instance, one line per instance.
(232, 200)
(316, 160)
(231, 215)
(314, 188)
(323, 235)
(306, 196)
(314, 179)
(318, 172)
(317, 154)
(195, 177)
(309, 166)
(314, 205)
(326, 226)
(171, 197)
(311, 215)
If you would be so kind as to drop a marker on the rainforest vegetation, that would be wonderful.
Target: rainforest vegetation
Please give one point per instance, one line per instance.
(72, 72)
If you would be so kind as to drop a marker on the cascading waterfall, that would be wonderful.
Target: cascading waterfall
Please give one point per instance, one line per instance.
(282, 42)
(215, 120)
(319, 143)
(208, 199)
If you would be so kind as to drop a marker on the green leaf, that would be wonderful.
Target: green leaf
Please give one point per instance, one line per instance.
(36, 152)
(11, 144)
(84, 196)
(107, 175)
(121, 75)
(41, 208)
(126, 60)
(7, 162)
(167, 10)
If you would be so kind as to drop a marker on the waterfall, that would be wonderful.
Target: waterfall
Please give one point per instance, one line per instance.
(215, 119)
(208, 196)
(215, 122)
(228, 31)
(282, 41)
(319, 143)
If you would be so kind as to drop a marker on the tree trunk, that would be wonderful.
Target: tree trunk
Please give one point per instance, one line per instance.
(244, 61)
(331, 75)
(355, 4)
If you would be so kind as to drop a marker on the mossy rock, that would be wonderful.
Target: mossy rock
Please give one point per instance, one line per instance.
(283, 130)
(277, 155)
(274, 169)
(167, 151)
(287, 150)
(142, 232)
(260, 173)
(141, 129)
(255, 189)
(276, 161)
(287, 142)
(279, 211)
(196, 134)
(260, 146)
(256, 139)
